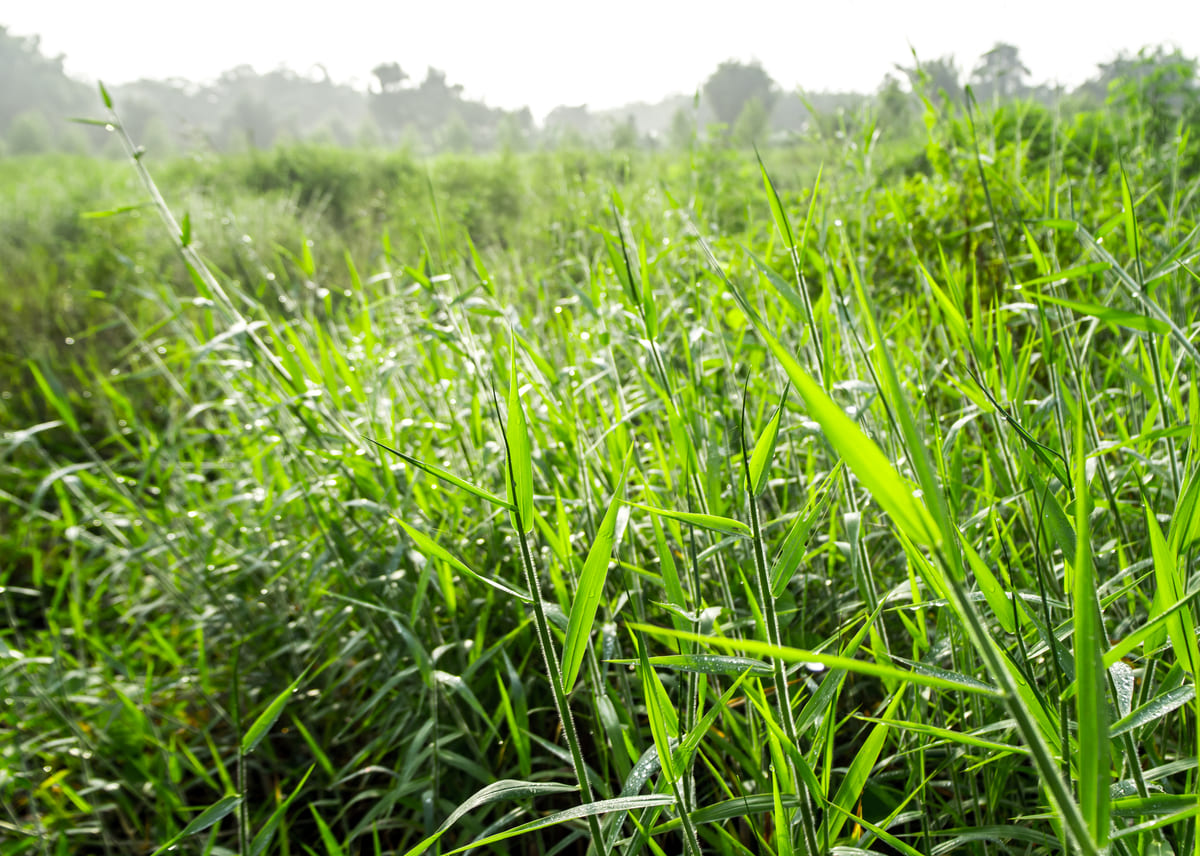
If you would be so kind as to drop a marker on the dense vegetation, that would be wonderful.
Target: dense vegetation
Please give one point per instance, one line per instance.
(374, 505)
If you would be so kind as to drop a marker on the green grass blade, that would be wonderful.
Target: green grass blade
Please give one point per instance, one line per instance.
(520, 453)
(505, 789)
(262, 838)
(211, 815)
(267, 718)
(436, 551)
(1090, 704)
(618, 804)
(591, 586)
(712, 522)
(445, 475)
(764, 450)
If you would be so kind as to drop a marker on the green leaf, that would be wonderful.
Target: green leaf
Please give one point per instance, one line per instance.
(705, 521)
(1180, 626)
(434, 550)
(505, 789)
(764, 450)
(862, 455)
(591, 586)
(1109, 315)
(664, 721)
(266, 719)
(185, 230)
(798, 655)
(104, 96)
(263, 837)
(520, 455)
(1154, 710)
(587, 810)
(708, 664)
(203, 821)
(849, 792)
(792, 551)
(993, 590)
(1060, 276)
(1090, 679)
(444, 475)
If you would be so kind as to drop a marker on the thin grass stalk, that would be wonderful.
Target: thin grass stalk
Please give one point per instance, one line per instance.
(550, 658)
(778, 670)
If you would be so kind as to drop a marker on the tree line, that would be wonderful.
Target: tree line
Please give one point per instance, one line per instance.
(738, 104)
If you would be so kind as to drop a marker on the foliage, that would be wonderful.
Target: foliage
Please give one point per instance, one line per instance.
(843, 503)
(733, 85)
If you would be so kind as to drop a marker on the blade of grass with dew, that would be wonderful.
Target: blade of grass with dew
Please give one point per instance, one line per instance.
(617, 804)
(262, 838)
(437, 552)
(267, 718)
(211, 815)
(791, 553)
(850, 791)
(519, 452)
(591, 585)
(764, 449)
(1090, 703)
(833, 661)
(712, 522)
(444, 475)
(506, 789)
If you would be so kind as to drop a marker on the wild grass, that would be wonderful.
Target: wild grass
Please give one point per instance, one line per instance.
(637, 503)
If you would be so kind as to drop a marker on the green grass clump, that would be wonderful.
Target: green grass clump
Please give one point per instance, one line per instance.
(645, 503)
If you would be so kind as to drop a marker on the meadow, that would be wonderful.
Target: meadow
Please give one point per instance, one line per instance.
(839, 500)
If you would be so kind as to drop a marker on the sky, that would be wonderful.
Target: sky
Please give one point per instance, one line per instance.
(542, 53)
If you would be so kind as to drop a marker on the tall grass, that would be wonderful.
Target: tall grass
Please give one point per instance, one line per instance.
(720, 506)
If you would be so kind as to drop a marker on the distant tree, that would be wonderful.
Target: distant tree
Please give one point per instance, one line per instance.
(368, 136)
(733, 84)
(894, 107)
(939, 80)
(1158, 87)
(30, 134)
(456, 136)
(250, 124)
(73, 140)
(570, 127)
(752, 125)
(999, 74)
(390, 76)
(156, 137)
(625, 135)
(514, 131)
(32, 81)
(682, 133)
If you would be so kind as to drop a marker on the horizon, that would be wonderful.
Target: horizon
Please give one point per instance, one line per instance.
(99, 46)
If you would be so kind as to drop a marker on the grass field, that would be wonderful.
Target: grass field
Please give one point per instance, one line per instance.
(844, 502)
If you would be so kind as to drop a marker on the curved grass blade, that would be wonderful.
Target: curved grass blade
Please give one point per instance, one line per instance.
(520, 454)
(1154, 710)
(444, 475)
(267, 718)
(708, 664)
(711, 522)
(505, 789)
(591, 809)
(203, 821)
(591, 586)
(799, 655)
(262, 838)
(764, 449)
(436, 551)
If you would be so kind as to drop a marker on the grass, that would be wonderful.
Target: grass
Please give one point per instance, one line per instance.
(639, 503)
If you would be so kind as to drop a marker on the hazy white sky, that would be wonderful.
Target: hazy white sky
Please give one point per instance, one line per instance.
(542, 53)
